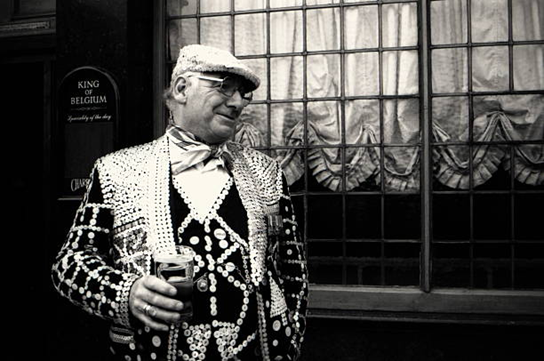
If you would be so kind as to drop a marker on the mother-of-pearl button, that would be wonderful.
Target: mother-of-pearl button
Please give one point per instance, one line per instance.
(194, 240)
(220, 233)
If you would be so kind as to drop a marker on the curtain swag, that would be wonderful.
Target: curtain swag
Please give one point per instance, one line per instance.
(402, 164)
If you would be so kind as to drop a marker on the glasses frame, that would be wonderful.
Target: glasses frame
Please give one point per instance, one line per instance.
(247, 96)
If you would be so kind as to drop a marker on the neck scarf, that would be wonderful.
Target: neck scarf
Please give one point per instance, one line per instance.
(190, 151)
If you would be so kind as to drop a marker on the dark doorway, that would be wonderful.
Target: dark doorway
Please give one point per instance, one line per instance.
(26, 110)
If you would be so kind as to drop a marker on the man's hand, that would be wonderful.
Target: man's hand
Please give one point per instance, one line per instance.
(151, 302)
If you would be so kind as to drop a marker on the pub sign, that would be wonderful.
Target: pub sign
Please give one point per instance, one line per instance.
(88, 112)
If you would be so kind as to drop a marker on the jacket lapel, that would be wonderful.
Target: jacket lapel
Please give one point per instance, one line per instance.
(156, 200)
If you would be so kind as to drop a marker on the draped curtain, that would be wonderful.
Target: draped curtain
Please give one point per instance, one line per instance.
(317, 123)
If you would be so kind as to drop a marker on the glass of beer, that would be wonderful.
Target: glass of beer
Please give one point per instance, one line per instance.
(176, 266)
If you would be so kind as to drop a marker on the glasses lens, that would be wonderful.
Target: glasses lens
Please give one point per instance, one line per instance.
(229, 86)
(247, 96)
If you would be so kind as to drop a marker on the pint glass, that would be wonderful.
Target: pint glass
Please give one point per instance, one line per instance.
(176, 266)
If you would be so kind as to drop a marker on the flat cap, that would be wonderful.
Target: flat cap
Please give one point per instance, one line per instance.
(203, 58)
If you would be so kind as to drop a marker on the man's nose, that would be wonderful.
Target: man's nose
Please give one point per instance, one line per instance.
(236, 101)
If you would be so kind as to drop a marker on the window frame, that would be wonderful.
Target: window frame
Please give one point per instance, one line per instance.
(425, 302)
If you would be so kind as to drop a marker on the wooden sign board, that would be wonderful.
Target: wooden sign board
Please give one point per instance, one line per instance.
(88, 112)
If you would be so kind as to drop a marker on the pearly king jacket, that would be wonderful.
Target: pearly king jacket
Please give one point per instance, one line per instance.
(120, 222)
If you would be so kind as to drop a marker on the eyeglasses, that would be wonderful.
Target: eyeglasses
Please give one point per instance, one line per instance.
(228, 86)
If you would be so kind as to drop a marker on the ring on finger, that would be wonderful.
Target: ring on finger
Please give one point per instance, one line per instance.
(150, 310)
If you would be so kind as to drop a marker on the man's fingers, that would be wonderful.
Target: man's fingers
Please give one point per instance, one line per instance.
(150, 322)
(150, 301)
(156, 284)
(156, 313)
(158, 300)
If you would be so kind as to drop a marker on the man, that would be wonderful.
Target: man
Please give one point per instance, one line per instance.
(192, 187)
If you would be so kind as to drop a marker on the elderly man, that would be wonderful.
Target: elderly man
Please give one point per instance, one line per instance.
(192, 187)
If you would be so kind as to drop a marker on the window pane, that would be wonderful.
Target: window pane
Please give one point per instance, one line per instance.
(364, 74)
(361, 27)
(325, 249)
(451, 216)
(490, 68)
(284, 3)
(286, 77)
(402, 169)
(365, 259)
(529, 266)
(402, 264)
(320, 2)
(401, 122)
(527, 23)
(492, 216)
(400, 72)
(181, 7)
(249, 4)
(363, 217)
(250, 33)
(323, 77)
(284, 118)
(451, 115)
(216, 31)
(449, 22)
(528, 216)
(526, 175)
(362, 121)
(252, 129)
(213, 6)
(529, 67)
(489, 20)
(451, 265)
(366, 249)
(449, 70)
(325, 217)
(323, 25)
(483, 178)
(451, 168)
(402, 217)
(399, 25)
(326, 170)
(492, 265)
(181, 33)
(259, 66)
(287, 34)
(324, 273)
(324, 123)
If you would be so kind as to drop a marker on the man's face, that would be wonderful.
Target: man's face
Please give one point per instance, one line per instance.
(209, 113)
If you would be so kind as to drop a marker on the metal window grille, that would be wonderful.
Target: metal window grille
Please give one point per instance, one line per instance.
(370, 235)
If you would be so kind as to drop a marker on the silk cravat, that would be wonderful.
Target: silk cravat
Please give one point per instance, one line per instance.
(189, 151)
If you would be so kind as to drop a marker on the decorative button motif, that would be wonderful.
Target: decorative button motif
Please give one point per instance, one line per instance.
(194, 240)
(220, 233)
(202, 284)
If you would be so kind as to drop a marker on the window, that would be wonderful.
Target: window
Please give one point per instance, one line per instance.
(411, 133)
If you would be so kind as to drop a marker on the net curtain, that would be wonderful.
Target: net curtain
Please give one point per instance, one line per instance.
(496, 118)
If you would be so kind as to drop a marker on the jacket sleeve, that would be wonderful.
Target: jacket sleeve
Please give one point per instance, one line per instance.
(83, 271)
(292, 269)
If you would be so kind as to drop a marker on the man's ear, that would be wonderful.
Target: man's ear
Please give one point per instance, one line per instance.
(180, 90)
